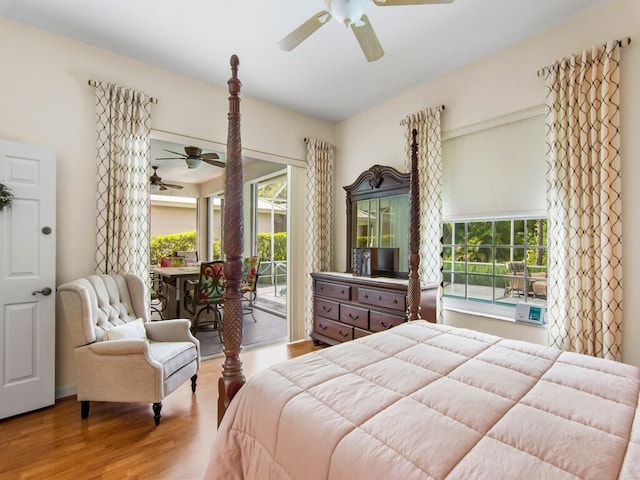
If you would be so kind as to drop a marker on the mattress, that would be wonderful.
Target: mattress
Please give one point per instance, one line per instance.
(427, 401)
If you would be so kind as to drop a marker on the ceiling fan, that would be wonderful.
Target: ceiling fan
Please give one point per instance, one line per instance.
(351, 14)
(193, 156)
(156, 181)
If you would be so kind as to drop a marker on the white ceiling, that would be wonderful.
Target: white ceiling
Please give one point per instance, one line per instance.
(327, 76)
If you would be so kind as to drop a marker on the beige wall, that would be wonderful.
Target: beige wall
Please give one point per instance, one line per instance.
(504, 83)
(166, 219)
(46, 101)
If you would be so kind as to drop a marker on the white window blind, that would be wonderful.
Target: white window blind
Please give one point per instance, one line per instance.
(496, 171)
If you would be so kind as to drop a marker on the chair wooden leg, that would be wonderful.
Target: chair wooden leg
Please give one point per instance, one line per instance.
(193, 383)
(84, 408)
(156, 412)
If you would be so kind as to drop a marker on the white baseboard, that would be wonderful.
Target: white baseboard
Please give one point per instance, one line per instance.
(67, 391)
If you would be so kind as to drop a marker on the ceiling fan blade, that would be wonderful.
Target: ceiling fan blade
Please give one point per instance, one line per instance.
(217, 163)
(393, 3)
(210, 156)
(367, 39)
(170, 185)
(182, 155)
(296, 37)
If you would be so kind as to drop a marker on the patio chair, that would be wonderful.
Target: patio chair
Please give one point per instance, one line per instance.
(518, 274)
(249, 285)
(206, 296)
(539, 288)
(158, 294)
(173, 261)
(516, 280)
(190, 258)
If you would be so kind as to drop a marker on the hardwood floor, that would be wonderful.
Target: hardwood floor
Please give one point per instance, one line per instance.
(120, 440)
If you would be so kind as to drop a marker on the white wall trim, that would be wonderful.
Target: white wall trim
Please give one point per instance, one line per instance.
(495, 122)
(67, 391)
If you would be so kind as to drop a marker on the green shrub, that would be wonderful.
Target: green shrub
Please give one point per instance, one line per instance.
(217, 252)
(279, 248)
(165, 245)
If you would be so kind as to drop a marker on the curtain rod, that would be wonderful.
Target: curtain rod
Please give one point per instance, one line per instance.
(94, 83)
(621, 43)
(406, 120)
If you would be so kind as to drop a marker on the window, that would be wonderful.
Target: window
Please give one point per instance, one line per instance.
(216, 222)
(496, 261)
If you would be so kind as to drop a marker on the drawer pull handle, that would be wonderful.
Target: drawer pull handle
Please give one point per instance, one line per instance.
(341, 292)
(353, 317)
(322, 327)
(326, 309)
(395, 301)
(384, 324)
(379, 297)
(366, 296)
(345, 335)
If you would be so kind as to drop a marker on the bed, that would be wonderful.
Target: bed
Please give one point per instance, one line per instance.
(430, 401)
(423, 401)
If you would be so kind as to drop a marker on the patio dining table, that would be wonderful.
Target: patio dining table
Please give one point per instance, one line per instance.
(174, 278)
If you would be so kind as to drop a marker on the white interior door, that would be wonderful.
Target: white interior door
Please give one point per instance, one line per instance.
(27, 279)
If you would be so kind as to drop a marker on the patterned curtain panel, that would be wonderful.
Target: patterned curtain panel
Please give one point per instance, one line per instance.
(123, 124)
(319, 217)
(584, 203)
(427, 123)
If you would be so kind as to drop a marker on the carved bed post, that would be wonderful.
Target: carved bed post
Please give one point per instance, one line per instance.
(232, 377)
(413, 288)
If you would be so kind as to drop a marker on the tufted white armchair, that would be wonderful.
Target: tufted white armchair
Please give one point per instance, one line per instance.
(143, 366)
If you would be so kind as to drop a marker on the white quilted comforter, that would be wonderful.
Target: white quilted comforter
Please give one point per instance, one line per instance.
(425, 401)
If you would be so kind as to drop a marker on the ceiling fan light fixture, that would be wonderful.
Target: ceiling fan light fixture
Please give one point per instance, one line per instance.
(347, 12)
(192, 162)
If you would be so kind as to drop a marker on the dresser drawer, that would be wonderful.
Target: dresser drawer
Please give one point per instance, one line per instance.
(334, 330)
(378, 298)
(333, 290)
(327, 308)
(379, 321)
(358, 317)
(359, 333)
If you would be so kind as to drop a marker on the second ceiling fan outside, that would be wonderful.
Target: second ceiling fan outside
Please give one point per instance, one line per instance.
(156, 181)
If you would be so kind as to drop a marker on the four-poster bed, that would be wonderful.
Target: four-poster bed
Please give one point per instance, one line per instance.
(420, 400)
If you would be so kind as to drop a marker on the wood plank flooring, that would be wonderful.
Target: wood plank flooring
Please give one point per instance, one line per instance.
(120, 440)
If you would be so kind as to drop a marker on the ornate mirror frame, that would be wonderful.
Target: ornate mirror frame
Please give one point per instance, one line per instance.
(376, 182)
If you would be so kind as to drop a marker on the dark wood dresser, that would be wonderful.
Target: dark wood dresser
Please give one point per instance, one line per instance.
(348, 307)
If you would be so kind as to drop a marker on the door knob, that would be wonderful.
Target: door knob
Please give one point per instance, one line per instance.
(45, 291)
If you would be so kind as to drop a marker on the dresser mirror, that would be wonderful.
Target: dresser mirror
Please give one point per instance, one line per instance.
(378, 223)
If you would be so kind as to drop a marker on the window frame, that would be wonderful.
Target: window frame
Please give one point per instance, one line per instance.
(483, 306)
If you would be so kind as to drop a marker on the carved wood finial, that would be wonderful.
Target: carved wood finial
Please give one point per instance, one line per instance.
(413, 287)
(232, 378)
(376, 176)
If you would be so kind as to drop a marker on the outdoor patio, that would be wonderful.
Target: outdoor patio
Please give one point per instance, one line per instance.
(490, 294)
(272, 298)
